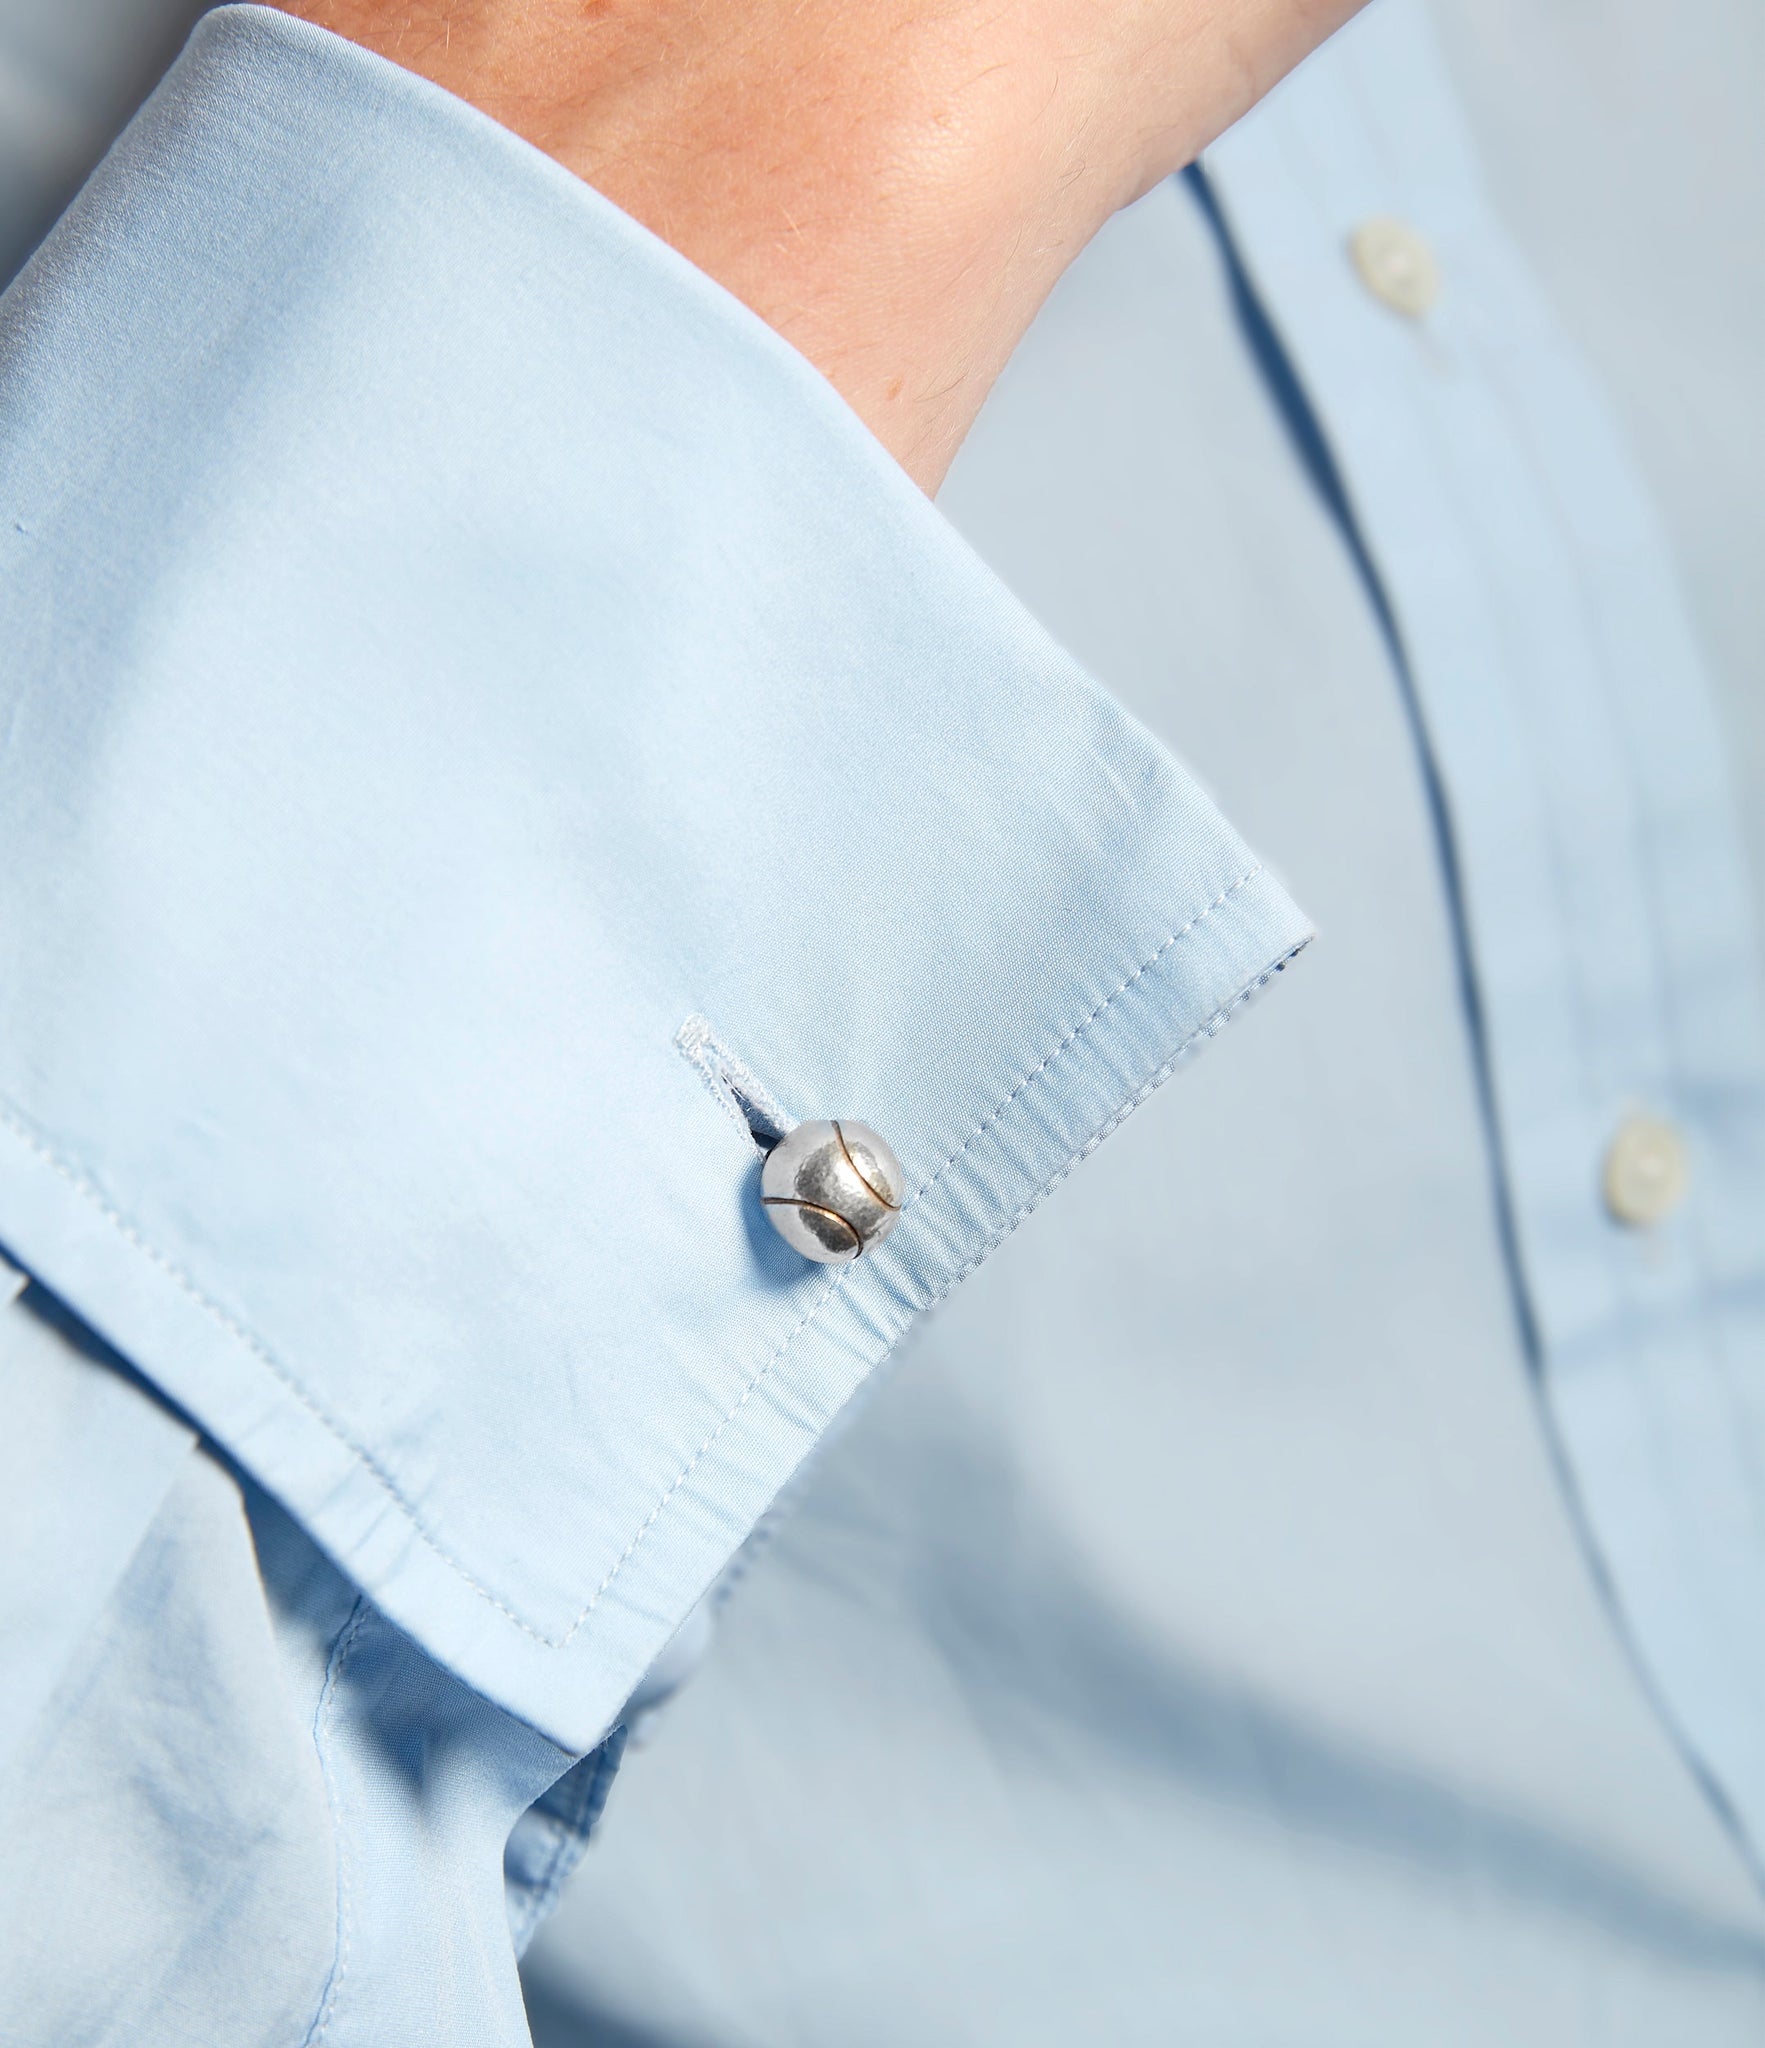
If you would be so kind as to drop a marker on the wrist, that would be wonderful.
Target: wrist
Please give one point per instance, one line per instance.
(893, 186)
(877, 183)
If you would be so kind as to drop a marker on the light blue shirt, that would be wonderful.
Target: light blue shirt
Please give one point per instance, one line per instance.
(472, 696)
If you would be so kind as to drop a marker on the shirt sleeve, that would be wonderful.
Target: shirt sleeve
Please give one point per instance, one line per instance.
(450, 644)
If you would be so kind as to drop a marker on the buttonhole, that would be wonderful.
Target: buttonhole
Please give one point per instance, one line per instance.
(739, 1091)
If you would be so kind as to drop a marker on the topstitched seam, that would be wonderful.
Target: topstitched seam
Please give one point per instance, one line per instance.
(340, 1655)
(686, 1471)
(243, 1336)
(1084, 1024)
(389, 1485)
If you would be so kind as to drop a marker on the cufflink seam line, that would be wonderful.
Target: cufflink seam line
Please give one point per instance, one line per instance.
(820, 1209)
(863, 1178)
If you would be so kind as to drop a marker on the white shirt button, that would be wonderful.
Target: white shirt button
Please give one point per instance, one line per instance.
(1647, 1171)
(1396, 265)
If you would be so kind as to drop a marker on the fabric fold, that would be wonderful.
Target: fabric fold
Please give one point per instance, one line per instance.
(451, 643)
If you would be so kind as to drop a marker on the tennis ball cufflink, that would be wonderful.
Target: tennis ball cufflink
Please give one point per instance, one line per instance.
(832, 1190)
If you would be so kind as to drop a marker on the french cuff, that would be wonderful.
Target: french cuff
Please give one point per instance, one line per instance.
(450, 644)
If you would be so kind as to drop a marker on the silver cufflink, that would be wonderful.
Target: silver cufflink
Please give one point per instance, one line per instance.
(832, 1190)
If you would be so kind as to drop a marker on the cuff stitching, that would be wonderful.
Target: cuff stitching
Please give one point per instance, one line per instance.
(242, 1336)
(1084, 1024)
(1204, 1031)
(389, 1486)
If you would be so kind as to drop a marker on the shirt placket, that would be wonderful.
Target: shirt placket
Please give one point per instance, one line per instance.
(1588, 832)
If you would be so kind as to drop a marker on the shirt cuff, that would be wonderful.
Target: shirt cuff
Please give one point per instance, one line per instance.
(450, 644)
